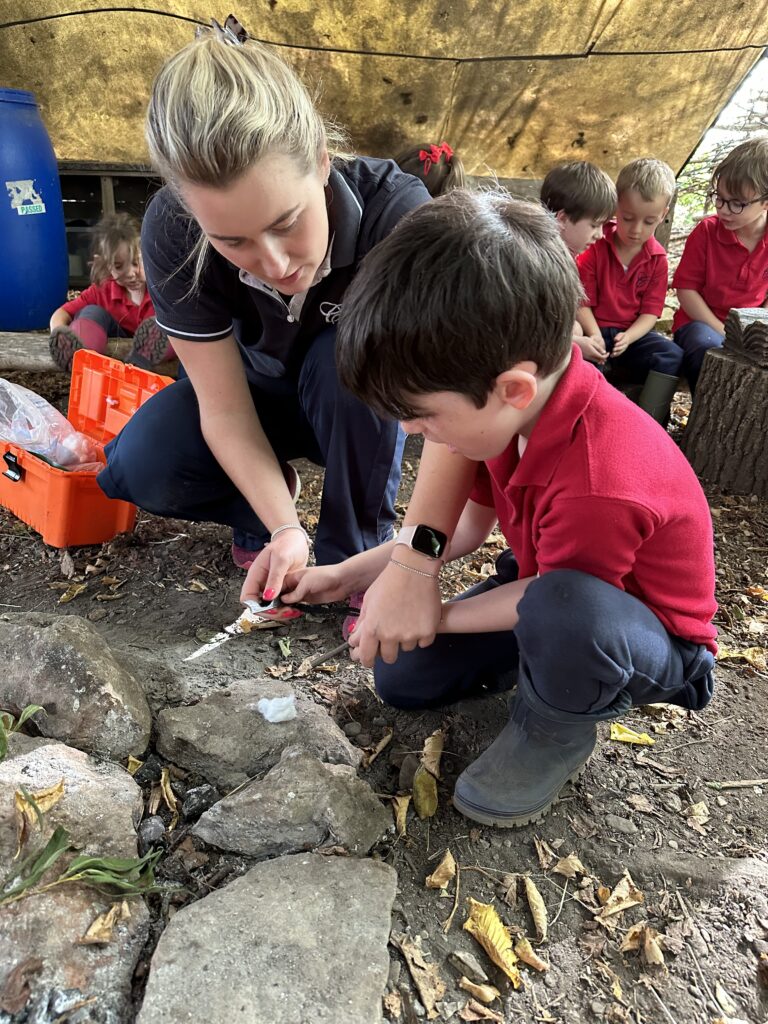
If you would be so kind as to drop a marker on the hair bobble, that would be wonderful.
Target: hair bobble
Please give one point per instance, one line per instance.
(432, 156)
(231, 33)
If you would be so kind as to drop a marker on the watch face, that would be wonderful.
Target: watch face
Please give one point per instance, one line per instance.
(429, 542)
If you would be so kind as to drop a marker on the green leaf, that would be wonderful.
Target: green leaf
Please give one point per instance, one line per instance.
(33, 867)
(3, 742)
(29, 710)
(284, 643)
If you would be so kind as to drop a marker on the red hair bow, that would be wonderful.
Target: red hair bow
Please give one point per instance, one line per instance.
(432, 155)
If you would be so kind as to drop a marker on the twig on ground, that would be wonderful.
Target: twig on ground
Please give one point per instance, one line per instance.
(663, 1006)
(320, 659)
(449, 920)
(562, 901)
(737, 784)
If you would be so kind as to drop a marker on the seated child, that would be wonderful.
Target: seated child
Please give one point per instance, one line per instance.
(725, 260)
(582, 198)
(459, 324)
(115, 305)
(437, 166)
(624, 275)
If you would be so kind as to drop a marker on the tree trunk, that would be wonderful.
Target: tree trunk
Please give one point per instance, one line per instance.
(30, 351)
(725, 440)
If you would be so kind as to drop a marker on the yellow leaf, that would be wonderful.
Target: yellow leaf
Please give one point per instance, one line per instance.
(626, 735)
(197, 587)
(754, 655)
(443, 873)
(485, 993)
(169, 798)
(433, 751)
(570, 866)
(486, 926)
(525, 952)
(27, 810)
(698, 813)
(424, 792)
(100, 931)
(133, 764)
(72, 592)
(400, 807)
(644, 938)
(426, 977)
(759, 592)
(538, 910)
(625, 895)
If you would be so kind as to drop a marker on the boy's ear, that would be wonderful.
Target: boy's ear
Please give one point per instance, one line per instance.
(518, 386)
(562, 218)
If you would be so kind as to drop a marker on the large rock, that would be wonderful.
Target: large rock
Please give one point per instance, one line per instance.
(100, 806)
(300, 805)
(61, 662)
(298, 939)
(227, 740)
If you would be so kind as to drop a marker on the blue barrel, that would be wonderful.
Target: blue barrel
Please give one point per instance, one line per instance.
(33, 259)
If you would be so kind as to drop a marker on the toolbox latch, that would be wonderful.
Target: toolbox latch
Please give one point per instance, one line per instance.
(14, 469)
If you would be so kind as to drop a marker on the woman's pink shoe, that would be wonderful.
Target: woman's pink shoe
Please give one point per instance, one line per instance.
(355, 603)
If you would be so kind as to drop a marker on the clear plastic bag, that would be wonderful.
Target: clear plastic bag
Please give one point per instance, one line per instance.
(30, 422)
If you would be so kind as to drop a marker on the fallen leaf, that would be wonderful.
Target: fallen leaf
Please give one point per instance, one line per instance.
(101, 930)
(485, 925)
(169, 798)
(133, 764)
(383, 743)
(759, 592)
(72, 591)
(538, 910)
(16, 988)
(668, 771)
(476, 1011)
(508, 889)
(484, 993)
(603, 894)
(697, 815)
(426, 977)
(754, 655)
(640, 803)
(544, 852)
(109, 597)
(641, 937)
(433, 751)
(197, 587)
(281, 671)
(424, 792)
(30, 807)
(443, 873)
(400, 807)
(67, 565)
(524, 950)
(284, 643)
(623, 734)
(625, 895)
(570, 866)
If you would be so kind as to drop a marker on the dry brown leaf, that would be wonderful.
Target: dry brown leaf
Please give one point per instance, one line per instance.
(433, 751)
(16, 988)
(155, 799)
(485, 925)
(638, 802)
(26, 815)
(525, 952)
(697, 815)
(645, 939)
(109, 597)
(133, 764)
(538, 910)
(424, 792)
(281, 671)
(508, 889)
(544, 852)
(625, 895)
(426, 977)
(169, 798)
(759, 592)
(73, 591)
(197, 587)
(610, 976)
(484, 993)
(400, 807)
(754, 655)
(603, 894)
(111, 581)
(67, 565)
(101, 930)
(443, 873)
(476, 1011)
(383, 743)
(570, 866)
(393, 1004)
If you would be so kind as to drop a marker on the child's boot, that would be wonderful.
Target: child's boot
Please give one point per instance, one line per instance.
(62, 345)
(657, 394)
(518, 778)
(150, 345)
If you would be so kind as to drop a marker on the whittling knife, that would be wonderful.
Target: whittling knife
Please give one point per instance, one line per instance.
(255, 616)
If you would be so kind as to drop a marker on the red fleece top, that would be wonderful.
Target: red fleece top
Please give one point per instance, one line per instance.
(603, 489)
(717, 265)
(115, 299)
(618, 296)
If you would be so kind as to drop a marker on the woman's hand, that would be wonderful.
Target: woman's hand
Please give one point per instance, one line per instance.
(287, 553)
(322, 584)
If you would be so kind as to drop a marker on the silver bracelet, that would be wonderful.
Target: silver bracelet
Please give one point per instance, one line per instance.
(290, 526)
(419, 572)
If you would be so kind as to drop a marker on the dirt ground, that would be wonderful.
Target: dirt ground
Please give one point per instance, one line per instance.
(697, 853)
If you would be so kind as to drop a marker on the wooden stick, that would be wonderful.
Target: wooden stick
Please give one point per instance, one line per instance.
(449, 920)
(320, 658)
(739, 784)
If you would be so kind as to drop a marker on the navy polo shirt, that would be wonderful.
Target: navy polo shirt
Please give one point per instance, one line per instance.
(368, 198)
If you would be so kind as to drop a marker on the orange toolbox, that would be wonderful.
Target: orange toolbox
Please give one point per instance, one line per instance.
(68, 507)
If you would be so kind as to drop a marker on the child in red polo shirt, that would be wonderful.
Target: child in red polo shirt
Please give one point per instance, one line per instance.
(459, 324)
(624, 275)
(725, 260)
(115, 305)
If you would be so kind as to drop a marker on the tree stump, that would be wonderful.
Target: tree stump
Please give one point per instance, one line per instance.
(726, 440)
(29, 351)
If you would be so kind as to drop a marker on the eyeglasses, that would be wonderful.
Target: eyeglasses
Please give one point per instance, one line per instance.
(735, 206)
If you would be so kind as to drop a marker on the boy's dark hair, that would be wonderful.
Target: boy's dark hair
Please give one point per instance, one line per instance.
(745, 167)
(465, 287)
(580, 190)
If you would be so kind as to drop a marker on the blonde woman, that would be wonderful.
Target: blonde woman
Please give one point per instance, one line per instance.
(248, 250)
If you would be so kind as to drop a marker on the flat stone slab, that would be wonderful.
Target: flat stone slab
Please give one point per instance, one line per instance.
(301, 804)
(297, 940)
(62, 663)
(227, 740)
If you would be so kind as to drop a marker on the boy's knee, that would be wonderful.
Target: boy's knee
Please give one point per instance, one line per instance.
(561, 611)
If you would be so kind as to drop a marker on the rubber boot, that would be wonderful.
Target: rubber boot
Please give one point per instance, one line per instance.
(518, 778)
(657, 394)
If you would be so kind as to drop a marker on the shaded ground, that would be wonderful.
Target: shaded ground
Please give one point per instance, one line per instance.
(697, 853)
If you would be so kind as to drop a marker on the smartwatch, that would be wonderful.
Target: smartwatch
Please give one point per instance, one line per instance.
(424, 539)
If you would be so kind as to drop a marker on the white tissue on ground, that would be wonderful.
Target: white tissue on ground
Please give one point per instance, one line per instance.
(278, 709)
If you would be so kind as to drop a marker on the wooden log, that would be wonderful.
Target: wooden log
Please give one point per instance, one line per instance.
(30, 351)
(725, 439)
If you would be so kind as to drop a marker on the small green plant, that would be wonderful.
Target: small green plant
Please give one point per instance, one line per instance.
(9, 724)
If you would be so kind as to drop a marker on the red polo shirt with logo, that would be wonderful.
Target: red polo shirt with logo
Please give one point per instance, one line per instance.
(717, 265)
(115, 299)
(601, 488)
(618, 296)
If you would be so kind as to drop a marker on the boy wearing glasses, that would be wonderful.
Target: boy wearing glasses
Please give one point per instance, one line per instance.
(725, 260)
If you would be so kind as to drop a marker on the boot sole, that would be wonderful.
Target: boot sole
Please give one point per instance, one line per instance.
(518, 820)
